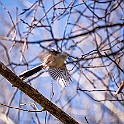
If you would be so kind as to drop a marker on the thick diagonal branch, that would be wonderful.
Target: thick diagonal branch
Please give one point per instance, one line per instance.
(36, 96)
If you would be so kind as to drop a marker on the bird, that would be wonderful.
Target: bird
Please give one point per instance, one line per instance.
(54, 62)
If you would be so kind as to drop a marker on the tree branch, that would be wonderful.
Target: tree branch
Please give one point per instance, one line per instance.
(65, 38)
(35, 95)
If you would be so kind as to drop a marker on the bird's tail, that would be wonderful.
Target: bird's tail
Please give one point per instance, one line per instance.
(30, 72)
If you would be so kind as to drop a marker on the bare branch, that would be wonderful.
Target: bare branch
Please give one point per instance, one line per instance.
(35, 95)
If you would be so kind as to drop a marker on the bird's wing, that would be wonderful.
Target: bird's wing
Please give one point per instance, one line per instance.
(61, 75)
(43, 55)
